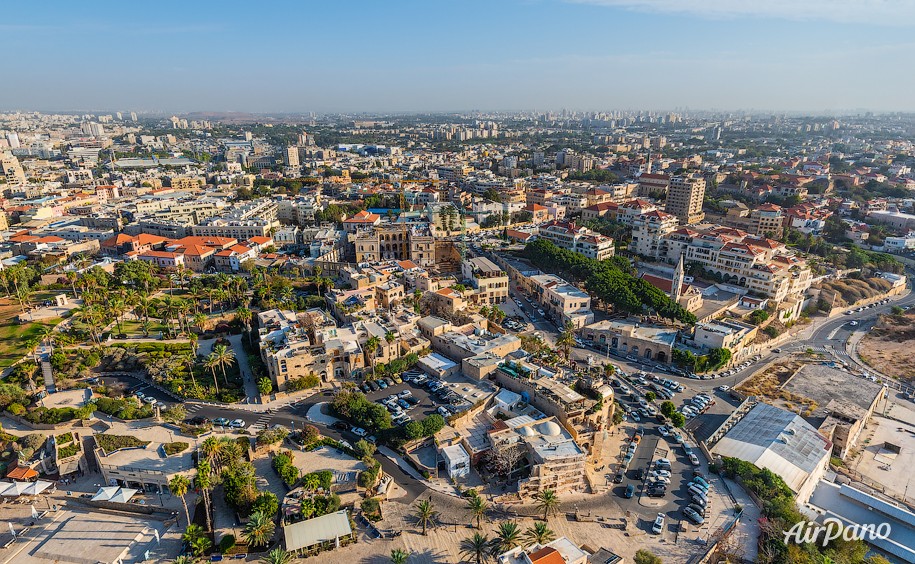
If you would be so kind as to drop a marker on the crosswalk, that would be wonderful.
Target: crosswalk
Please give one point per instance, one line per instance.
(263, 420)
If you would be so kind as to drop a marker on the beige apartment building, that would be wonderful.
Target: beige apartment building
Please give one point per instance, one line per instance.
(489, 281)
(396, 241)
(562, 301)
(684, 198)
(573, 237)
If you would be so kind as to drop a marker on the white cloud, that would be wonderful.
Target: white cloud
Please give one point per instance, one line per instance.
(879, 12)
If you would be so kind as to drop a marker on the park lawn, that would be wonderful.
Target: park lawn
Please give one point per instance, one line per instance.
(135, 328)
(14, 336)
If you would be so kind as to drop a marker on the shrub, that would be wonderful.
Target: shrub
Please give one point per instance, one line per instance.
(64, 438)
(174, 448)
(302, 383)
(266, 503)
(371, 508)
(194, 430)
(124, 408)
(271, 436)
(70, 450)
(111, 443)
(16, 408)
(54, 415)
(227, 543)
(286, 470)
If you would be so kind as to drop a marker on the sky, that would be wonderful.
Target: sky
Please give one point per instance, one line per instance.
(457, 55)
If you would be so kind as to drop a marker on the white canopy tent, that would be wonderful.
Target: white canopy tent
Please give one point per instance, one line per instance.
(115, 494)
(35, 488)
(15, 489)
(106, 493)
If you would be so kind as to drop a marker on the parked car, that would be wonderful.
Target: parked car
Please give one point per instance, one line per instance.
(360, 432)
(237, 423)
(630, 491)
(693, 516)
(658, 526)
(382, 384)
(618, 479)
(657, 492)
(220, 421)
(443, 411)
(696, 489)
(693, 459)
(702, 482)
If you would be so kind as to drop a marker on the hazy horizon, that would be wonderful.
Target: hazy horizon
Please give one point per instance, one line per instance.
(813, 56)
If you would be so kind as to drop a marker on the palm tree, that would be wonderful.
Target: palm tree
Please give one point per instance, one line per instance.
(371, 346)
(390, 337)
(71, 278)
(210, 362)
(196, 538)
(277, 556)
(476, 547)
(184, 559)
(205, 483)
(476, 507)
(192, 533)
(211, 449)
(507, 537)
(200, 321)
(259, 530)
(425, 513)
(179, 486)
(224, 357)
(399, 556)
(566, 340)
(201, 545)
(539, 533)
(244, 315)
(548, 503)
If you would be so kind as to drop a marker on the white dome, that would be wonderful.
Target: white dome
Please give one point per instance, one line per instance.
(550, 429)
(527, 431)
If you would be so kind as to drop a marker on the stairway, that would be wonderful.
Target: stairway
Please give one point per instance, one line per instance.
(48, 376)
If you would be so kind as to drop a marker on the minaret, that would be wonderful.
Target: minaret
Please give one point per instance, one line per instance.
(676, 284)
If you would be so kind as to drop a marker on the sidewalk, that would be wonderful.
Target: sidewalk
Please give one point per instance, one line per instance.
(408, 468)
(746, 533)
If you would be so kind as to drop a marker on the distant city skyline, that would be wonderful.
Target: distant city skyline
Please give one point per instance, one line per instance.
(412, 56)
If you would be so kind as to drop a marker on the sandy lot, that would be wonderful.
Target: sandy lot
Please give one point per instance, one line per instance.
(887, 347)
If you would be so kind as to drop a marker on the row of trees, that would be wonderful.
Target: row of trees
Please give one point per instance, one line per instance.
(479, 547)
(713, 360)
(610, 281)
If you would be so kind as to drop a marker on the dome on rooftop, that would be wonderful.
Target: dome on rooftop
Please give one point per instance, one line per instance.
(550, 429)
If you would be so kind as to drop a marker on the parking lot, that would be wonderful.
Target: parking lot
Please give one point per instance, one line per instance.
(127, 385)
(654, 445)
(457, 394)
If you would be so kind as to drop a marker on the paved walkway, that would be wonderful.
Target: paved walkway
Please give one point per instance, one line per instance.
(247, 375)
(746, 533)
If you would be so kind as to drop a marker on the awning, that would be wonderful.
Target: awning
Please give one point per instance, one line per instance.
(123, 495)
(16, 489)
(36, 488)
(115, 494)
(106, 493)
